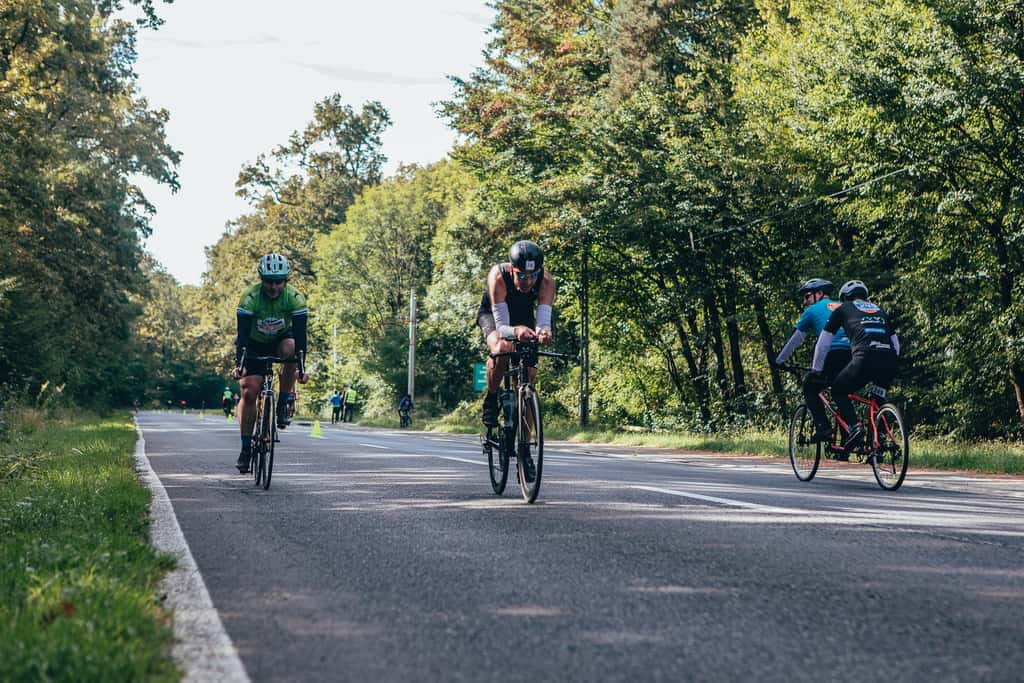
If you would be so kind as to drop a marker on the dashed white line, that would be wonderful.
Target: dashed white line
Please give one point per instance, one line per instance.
(373, 445)
(724, 501)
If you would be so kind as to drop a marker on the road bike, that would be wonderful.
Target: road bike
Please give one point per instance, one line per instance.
(885, 444)
(264, 434)
(404, 419)
(520, 430)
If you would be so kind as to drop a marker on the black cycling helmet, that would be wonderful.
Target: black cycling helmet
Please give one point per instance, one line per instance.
(816, 284)
(854, 289)
(526, 255)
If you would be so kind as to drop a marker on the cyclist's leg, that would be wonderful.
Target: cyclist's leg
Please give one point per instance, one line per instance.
(250, 388)
(850, 379)
(496, 368)
(289, 372)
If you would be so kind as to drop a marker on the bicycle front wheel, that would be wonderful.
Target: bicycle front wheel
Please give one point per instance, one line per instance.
(268, 468)
(529, 439)
(497, 458)
(803, 455)
(890, 459)
(257, 445)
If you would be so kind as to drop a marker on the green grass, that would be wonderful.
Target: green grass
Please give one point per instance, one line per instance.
(986, 456)
(77, 574)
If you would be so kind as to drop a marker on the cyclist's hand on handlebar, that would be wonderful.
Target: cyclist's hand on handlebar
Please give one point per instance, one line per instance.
(544, 336)
(303, 377)
(524, 333)
(237, 373)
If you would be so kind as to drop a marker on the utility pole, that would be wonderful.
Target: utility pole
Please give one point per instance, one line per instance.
(585, 336)
(412, 342)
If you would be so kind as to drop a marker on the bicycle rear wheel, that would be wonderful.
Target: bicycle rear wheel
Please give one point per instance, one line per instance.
(889, 462)
(803, 455)
(529, 440)
(497, 458)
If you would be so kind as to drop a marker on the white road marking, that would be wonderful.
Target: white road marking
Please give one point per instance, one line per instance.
(373, 445)
(724, 501)
(448, 457)
(202, 647)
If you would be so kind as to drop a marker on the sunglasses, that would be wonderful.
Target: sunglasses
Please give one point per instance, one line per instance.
(527, 276)
(275, 282)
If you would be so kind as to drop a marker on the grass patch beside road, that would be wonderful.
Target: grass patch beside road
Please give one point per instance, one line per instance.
(77, 574)
(988, 456)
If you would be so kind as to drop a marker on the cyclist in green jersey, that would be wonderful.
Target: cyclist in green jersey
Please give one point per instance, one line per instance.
(271, 322)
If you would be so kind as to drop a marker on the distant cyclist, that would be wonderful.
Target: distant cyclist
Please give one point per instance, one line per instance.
(874, 349)
(272, 320)
(227, 401)
(817, 308)
(404, 410)
(516, 304)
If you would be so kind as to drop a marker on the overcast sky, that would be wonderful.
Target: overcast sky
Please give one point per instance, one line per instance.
(239, 76)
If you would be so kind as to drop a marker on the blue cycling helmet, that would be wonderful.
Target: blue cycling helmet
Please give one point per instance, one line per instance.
(273, 267)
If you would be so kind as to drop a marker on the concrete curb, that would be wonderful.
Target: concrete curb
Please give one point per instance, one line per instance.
(202, 648)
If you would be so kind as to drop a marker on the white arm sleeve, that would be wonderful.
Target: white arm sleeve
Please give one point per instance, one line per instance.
(794, 341)
(502, 319)
(544, 317)
(821, 350)
(895, 343)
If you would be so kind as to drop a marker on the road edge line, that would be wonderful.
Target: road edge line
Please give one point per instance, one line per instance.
(202, 648)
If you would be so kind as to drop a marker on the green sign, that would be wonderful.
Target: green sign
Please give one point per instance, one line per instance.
(479, 377)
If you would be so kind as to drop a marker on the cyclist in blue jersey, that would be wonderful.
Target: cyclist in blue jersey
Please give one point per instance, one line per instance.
(818, 308)
(875, 351)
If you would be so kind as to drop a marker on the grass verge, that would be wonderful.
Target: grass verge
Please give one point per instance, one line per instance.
(77, 574)
(993, 457)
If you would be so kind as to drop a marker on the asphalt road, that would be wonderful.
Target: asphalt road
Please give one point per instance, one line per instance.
(384, 555)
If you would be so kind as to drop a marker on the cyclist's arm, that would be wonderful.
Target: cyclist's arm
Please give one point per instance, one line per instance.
(821, 350)
(545, 301)
(300, 320)
(794, 341)
(895, 341)
(244, 321)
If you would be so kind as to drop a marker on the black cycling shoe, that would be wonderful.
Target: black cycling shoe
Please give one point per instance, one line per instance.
(283, 418)
(821, 436)
(490, 412)
(244, 458)
(854, 437)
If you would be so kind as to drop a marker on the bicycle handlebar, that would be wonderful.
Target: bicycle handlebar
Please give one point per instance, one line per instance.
(526, 347)
(273, 359)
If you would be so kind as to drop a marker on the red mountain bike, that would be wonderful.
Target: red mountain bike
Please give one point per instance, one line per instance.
(885, 444)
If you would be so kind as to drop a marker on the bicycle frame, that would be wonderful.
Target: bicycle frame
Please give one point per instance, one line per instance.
(873, 408)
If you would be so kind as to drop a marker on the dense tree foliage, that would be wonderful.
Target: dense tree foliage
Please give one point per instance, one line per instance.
(75, 133)
(684, 164)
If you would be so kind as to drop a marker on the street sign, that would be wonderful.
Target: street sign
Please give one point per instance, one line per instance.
(479, 377)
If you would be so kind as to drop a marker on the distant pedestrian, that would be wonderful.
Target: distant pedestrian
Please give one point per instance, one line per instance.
(350, 403)
(336, 406)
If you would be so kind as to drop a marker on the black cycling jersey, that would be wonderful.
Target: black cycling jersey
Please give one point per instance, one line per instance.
(865, 323)
(521, 308)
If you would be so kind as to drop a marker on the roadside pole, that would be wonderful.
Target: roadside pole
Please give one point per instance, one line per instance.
(412, 342)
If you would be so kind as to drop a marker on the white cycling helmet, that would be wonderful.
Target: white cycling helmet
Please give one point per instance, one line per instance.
(854, 289)
(273, 267)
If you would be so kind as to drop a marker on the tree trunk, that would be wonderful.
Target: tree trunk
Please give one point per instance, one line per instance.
(698, 379)
(732, 329)
(713, 326)
(769, 349)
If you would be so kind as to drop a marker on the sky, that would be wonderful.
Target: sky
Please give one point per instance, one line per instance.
(238, 77)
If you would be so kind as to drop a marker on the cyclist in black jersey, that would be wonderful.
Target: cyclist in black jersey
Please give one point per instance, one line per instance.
(507, 310)
(874, 350)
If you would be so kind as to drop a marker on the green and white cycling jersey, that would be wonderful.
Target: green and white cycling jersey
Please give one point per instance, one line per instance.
(271, 318)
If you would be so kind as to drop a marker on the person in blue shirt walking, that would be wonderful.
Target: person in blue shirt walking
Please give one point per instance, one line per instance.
(336, 406)
(818, 307)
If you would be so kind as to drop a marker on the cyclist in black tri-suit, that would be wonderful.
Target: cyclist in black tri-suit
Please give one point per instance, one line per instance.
(874, 350)
(507, 310)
